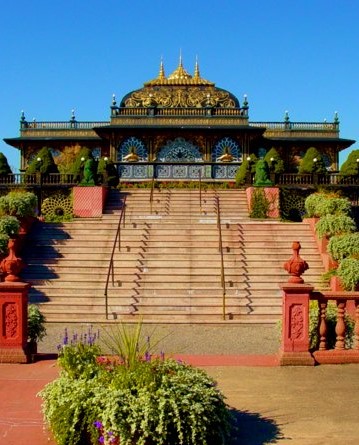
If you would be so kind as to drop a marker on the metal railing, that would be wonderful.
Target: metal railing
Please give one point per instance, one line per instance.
(200, 190)
(220, 249)
(151, 193)
(111, 270)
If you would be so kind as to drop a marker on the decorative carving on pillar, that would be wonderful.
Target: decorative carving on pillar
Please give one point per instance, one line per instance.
(296, 322)
(11, 318)
(296, 266)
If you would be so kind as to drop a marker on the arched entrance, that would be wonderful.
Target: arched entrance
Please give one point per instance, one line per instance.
(177, 160)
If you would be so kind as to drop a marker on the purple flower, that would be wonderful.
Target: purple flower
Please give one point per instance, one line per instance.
(97, 424)
(101, 439)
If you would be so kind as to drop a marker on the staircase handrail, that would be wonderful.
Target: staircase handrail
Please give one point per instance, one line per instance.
(200, 190)
(117, 239)
(220, 248)
(151, 193)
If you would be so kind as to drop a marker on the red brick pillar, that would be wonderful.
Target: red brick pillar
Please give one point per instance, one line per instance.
(13, 322)
(295, 328)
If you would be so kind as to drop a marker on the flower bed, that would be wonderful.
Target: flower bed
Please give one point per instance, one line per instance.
(133, 398)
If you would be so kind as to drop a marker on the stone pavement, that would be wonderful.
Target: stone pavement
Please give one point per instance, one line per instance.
(291, 405)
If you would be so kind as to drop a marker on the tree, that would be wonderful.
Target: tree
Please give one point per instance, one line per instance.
(43, 163)
(312, 162)
(351, 166)
(274, 161)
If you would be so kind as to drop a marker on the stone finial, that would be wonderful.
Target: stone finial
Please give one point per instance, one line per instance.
(12, 265)
(296, 266)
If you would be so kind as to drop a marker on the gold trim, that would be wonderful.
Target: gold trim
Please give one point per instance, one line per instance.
(198, 122)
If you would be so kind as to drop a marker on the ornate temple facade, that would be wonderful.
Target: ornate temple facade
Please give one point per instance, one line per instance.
(180, 126)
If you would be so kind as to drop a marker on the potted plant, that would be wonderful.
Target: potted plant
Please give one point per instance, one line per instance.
(131, 398)
(36, 329)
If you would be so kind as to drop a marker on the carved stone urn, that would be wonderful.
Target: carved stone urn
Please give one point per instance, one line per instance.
(296, 266)
(12, 265)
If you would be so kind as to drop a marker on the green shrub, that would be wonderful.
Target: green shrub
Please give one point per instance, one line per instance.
(348, 272)
(18, 203)
(9, 225)
(277, 165)
(311, 203)
(45, 166)
(36, 329)
(333, 206)
(4, 239)
(330, 225)
(344, 246)
(259, 204)
(308, 163)
(351, 167)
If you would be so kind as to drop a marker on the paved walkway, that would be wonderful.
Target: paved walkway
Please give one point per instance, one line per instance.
(296, 406)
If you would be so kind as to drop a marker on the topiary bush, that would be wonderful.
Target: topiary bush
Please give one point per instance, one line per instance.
(4, 166)
(246, 167)
(350, 167)
(344, 246)
(277, 165)
(330, 225)
(107, 170)
(78, 166)
(312, 162)
(45, 166)
(348, 272)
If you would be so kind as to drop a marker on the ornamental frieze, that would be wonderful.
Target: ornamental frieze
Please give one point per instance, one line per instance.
(59, 133)
(180, 97)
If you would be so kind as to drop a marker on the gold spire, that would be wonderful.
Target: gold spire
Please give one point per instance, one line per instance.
(179, 77)
(196, 70)
(179, 73)
(161, 74)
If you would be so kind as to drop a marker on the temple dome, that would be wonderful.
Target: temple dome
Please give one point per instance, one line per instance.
(180, 89)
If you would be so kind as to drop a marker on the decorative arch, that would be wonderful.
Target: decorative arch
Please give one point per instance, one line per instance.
(226, 145)
(132, 145)
(179, 150)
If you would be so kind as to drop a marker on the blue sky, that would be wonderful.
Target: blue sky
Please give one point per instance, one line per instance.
(298, 56)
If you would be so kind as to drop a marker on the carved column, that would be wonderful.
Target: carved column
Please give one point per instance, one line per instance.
(13, 322)
(295, 329)
(295, 314)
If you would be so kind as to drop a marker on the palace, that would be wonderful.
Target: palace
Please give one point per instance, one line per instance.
(178, 125)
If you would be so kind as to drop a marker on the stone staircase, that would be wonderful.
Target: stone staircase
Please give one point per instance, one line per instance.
(169, 266)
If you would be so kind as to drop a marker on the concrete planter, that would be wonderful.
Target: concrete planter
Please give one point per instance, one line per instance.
(89, 201)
